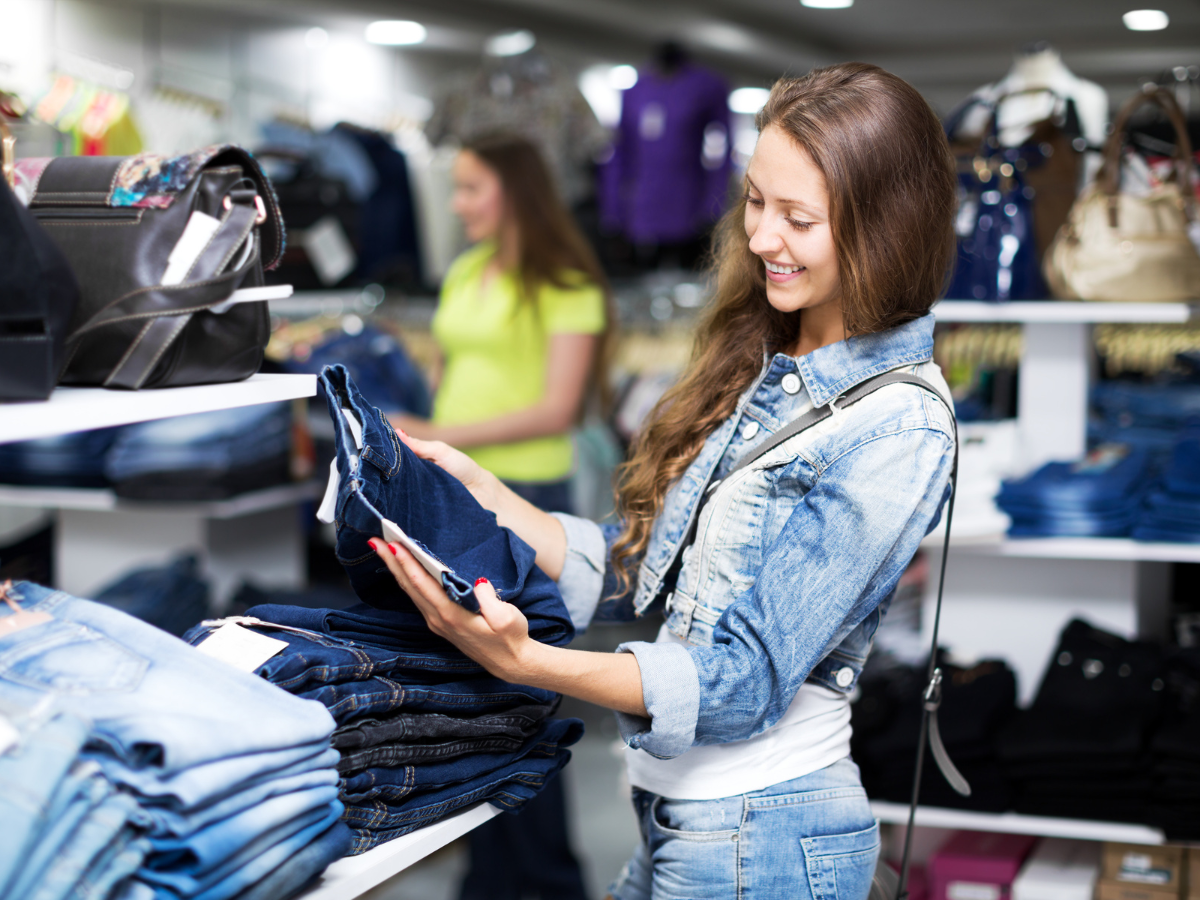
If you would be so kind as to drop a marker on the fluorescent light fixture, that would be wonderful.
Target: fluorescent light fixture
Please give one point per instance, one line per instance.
(622, 78)
(510, 43)
(748, 100)
(395, 32)
(827, 4)
(316, 38)
(1146, 20)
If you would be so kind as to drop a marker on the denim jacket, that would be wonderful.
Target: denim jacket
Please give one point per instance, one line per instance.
(796, 556)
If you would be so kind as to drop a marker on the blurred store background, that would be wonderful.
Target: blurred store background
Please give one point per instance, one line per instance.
(645, 113)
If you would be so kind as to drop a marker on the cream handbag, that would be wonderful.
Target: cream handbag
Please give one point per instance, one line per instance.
(1127, 248)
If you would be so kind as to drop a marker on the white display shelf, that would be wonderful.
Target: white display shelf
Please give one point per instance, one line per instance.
(1124, 549)
(81, 409)
(355, 875)
(1015, 823)
(1063, 312)
(104, 500)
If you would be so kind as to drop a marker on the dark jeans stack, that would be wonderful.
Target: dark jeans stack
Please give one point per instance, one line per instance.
(1176, 749)
(1172, 510)
(145, 770)
(977, 702)
(1098, 496)
(207, 456)
(1149, 416)
(1082, 749)
(423, 731)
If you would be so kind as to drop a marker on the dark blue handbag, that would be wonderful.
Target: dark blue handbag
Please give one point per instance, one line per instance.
(998, 256)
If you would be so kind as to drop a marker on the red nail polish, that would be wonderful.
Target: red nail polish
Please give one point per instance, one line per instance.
(373, 543)
(395, 548)
(479, 581)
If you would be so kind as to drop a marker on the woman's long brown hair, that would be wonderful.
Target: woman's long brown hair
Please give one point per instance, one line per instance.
(551, 248)
(891, 184)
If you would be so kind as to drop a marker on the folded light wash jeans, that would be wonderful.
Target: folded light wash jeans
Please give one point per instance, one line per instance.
(812, 838)
(160, 709)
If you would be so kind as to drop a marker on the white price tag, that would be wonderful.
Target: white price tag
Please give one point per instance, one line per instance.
(241, 648)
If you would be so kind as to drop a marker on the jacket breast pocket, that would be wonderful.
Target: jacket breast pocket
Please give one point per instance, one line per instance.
(69, 658)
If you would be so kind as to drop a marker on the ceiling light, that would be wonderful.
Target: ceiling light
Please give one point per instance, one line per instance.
(395, 32)
(622, 78)
(827, 4)
(748, 100)
(510, 43)
(1146, 20)
(316, 38)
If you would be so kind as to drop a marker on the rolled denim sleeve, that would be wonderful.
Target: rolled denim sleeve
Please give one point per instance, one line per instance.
(582, 578)
(671, 692)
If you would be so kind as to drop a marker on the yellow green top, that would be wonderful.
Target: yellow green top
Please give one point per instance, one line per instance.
(496, 348)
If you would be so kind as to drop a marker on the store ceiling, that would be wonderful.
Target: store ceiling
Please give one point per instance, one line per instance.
(945, 47)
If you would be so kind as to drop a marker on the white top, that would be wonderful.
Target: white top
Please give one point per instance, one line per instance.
(813, 733)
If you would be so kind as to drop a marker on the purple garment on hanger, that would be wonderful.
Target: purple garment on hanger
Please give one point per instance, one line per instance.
(657, 187)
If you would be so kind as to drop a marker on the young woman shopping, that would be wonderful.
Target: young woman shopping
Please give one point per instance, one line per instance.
(773, 577)
(521, 324)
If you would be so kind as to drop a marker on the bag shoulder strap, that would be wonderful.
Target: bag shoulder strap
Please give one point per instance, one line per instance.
(821, 413)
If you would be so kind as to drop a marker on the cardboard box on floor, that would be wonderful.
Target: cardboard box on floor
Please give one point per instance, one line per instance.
(1141, 872)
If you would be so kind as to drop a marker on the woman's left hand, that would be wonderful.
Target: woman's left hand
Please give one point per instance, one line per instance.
(498, 639)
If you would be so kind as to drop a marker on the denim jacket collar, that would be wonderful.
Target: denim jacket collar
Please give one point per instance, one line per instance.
(831, 370)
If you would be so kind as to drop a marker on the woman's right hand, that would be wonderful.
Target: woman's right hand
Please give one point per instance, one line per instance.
(476, 479)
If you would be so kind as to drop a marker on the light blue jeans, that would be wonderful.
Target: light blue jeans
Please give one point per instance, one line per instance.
(812, 838)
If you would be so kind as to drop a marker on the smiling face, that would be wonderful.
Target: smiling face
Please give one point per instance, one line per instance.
(478, 197)
(787, 221)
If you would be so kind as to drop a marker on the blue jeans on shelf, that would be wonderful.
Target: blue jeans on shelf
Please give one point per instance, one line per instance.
(313, 659)
(383, 478)
(812, 838)
(31, 772)
(69, 460)
(509, 787)
(159, 708)
(172, 597)
(299, 869)
(394, 784)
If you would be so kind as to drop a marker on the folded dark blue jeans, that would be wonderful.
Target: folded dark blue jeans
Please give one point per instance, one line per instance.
(509, 787)
(428, 729)
(1100, 483)
(379, 477)
(392, 784)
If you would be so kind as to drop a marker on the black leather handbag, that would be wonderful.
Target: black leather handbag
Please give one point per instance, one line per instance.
(38, 296)
(160, 247)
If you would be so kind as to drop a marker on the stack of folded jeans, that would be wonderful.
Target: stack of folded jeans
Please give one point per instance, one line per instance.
(207, 456)
(1148, 416)
(977, 702)
(173, 597)
(423, 731)
(1099, 496)
(377, 363)
(1081, 749)
(145, 769)
(1172, 510)
(1176, 749)
(70, 460)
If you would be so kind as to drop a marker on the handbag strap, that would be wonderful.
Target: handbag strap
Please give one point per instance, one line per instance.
(1109, 176)
(931, 699)
(167, 309)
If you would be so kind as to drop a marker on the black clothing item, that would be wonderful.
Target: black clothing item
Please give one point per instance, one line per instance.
(425, 728)
(976, 703)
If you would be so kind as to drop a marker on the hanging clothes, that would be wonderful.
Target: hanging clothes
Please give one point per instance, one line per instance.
(99, 121)
(661, 186)
(528, 95)
(389, 250)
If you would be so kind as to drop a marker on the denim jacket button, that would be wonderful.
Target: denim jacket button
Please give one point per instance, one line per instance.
(791, 383)
(844, 676)
(750, 431)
